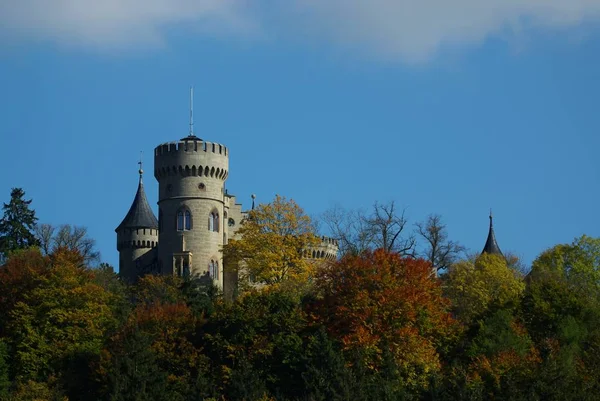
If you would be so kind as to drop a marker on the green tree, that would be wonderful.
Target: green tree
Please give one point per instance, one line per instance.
(562, 309)
(4, 363)
(18, 223)
(255, 345)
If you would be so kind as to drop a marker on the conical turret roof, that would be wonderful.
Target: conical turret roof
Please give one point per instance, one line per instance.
(140, 214)
(491, 246)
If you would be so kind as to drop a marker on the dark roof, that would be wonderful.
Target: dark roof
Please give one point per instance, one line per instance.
(191, 138)
(140, 215)
(491, 246)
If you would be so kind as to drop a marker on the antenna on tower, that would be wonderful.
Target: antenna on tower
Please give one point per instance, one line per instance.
(191, 111)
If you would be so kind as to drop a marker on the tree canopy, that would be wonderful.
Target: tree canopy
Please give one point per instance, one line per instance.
(271, 244)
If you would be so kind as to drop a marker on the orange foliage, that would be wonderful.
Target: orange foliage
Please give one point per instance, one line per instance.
(380, 301)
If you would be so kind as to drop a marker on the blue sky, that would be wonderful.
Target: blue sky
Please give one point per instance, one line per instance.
(448, 109)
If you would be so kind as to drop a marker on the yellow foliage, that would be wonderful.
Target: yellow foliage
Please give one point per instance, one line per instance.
(271, 246)
(475, 286)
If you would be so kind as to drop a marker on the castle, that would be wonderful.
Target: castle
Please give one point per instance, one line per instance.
(196, 217)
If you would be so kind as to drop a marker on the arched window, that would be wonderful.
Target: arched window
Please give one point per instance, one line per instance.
(213, 221)
(184, 220)
(213, 269)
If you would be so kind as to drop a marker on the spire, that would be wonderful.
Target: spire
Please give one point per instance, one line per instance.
(140, 214)
(191, 136)
(491, 246)
(192, 111)
(253, 198)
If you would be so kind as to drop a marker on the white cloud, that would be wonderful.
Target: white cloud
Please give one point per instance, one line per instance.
(110, 24)
(414, 30)
(409, 30)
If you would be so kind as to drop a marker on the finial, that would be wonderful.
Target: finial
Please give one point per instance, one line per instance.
(191, 111)
(491, 216)
(253, 196)
(141, 171)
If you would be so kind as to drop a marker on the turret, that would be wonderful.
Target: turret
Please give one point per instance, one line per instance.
(191, 175)
(137, 236)
(491, 246)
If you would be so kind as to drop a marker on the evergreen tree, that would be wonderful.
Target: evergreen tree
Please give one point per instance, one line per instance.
(18, 223)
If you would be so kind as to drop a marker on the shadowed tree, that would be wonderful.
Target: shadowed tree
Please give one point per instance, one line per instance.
(18, 223)
(439, 251)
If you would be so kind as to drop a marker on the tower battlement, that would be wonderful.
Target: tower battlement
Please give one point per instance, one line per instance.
(190, 145)
(191, 157)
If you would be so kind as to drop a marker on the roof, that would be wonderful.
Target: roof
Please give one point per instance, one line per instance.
(191, 137)
(140, 214)
(491, 246)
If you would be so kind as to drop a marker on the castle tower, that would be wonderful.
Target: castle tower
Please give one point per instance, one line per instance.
(491, 246)
(137, 236)
(191, 175)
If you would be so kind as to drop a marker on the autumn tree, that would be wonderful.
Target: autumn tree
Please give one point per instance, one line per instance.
(386, 306)
(75, 238)
(438, 250)
(54, 318)
(271, 245)
(477, 285)
(357, 230)
(18, 223)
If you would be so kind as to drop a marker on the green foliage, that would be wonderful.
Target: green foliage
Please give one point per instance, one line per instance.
(4, 364)
(18, 223)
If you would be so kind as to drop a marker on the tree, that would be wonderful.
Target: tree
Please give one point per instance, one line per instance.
(358, 231)
(70, 237)
(17, 224)
(477, 286)
(272, 244)
(439, 251)
(54, 316)
(255, 346)
(561, 306)
(386, 306)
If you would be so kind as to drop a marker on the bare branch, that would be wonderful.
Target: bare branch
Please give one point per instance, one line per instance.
(70, 237)
(357, 231)
(439, 251)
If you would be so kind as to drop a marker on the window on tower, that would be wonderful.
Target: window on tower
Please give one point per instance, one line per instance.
(213, 269)
(184, 220)
(213, 221)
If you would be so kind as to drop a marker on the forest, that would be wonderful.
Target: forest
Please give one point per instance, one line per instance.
(400, 315)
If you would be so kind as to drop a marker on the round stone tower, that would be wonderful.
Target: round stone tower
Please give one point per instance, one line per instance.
(191, 175)
(137, 237)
